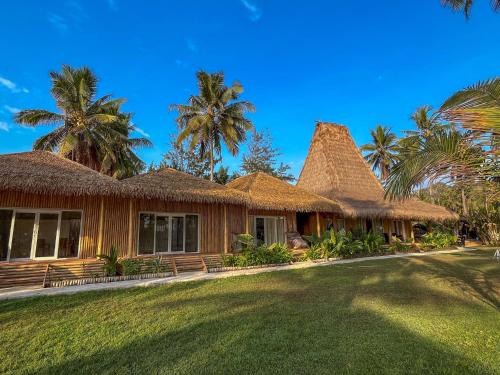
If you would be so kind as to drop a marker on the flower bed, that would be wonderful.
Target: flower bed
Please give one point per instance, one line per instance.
(224, 269)
(107, 279)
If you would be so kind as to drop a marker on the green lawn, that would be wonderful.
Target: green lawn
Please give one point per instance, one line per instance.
(434, 315)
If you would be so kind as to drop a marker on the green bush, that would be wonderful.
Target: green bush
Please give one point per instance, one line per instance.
(111, 263)
(438, 240)
(398, 246)
(154, 265)
(259, 255)
(131, 266)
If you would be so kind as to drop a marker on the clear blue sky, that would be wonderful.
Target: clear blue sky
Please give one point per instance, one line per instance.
(358, 63)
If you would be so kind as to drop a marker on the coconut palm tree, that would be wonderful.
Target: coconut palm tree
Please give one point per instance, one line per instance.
(465, 6)
(214, 117)
(382, 153)
(91, 131)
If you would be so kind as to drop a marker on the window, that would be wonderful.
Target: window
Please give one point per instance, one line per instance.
(168, 233)
(269, 229)
(398, 229)
(340, 224)
(26, 234)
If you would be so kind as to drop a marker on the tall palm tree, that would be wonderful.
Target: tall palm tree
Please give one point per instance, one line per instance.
(214, 116)
(466, 5)
(91, 131)
(382, 153)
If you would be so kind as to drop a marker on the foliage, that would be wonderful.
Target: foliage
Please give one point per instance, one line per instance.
(465, 6)
(486, 220)
(259, 255)
(111, 262)
(344, 244)
(185, 159)
(398, 246)
(382, 153)
(262, 157)
(154, 265)
(246, 241)
(214, 117)
(131, 266)
(223, 177)
(438, 240)
(91, 131)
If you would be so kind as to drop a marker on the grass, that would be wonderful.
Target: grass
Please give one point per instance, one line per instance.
(433, 314)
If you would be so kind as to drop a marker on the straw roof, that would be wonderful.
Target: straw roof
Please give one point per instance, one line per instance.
(170, 184)
(46, 173)
(271, 193)
(335, 168)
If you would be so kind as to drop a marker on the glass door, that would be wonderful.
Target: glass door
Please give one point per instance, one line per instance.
(22, 237)
(46, 235)
(177, 243)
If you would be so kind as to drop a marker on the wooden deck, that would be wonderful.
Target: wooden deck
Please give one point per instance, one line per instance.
(41, 273)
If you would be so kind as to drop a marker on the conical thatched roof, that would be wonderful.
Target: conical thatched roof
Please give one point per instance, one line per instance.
(46, 173)
(170, 184)
(335, 169)
(271, 193)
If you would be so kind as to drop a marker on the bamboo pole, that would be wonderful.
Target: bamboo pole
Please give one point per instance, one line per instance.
(130, 227)
(101, 227)
(318, 224)
(226, 247)
(247, 224)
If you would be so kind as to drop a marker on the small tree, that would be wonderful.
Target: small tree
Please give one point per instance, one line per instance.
(262, 157)
(222, 176)
(182, 158)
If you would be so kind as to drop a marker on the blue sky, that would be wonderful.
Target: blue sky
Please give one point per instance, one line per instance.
(359, 63)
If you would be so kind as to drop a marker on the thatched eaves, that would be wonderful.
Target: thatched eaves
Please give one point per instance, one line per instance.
(43, 172)
(271, 193)
(170, 184)
(335, 168)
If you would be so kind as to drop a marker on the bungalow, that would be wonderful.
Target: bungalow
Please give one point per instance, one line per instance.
(53, 210)
(334, 168)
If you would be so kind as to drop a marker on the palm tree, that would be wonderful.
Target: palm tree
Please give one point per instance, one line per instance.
(214, 116)
(382, 153)
(90, 131)
(466, 5)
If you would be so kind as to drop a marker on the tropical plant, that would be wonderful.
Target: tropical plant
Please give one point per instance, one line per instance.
(214, 117)
(131, 266)
(465, 6)
(259, 255)
(91, 131)
(382, 153)
(486, 220)
(262, 157)
(111, 262)
(438, 240)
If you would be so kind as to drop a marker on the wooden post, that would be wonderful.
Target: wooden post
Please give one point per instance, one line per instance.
(130, 227)
(318, 224)
(101, 228)
(247, 224)
(226, 239)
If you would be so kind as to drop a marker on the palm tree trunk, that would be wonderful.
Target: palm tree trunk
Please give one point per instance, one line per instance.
(465, 210)
(212, 160)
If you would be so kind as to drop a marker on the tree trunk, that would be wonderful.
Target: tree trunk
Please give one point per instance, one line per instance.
(465, 210)
(431, 193)
(212, 160)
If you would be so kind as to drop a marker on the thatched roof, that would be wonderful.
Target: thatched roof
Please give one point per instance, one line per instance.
(271, 193)
(170, 184)
(335, 169)
(47, 173)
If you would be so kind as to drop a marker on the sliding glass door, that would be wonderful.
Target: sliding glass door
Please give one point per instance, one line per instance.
(168, 233)
(26, 234)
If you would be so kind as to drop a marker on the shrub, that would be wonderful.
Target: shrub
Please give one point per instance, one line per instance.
(398, 246)
(154, 265)
(438, 240)
(259, 255)
(111, 264)
(131, 266)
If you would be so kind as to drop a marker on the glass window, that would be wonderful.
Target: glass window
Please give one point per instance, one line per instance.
(5, 222)
(191, 233)
(22, 238)
(270, 230)
(177, 234)
(69, 234)
(162, 234)
(47, 235)
(146, 233)
(260, 230)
